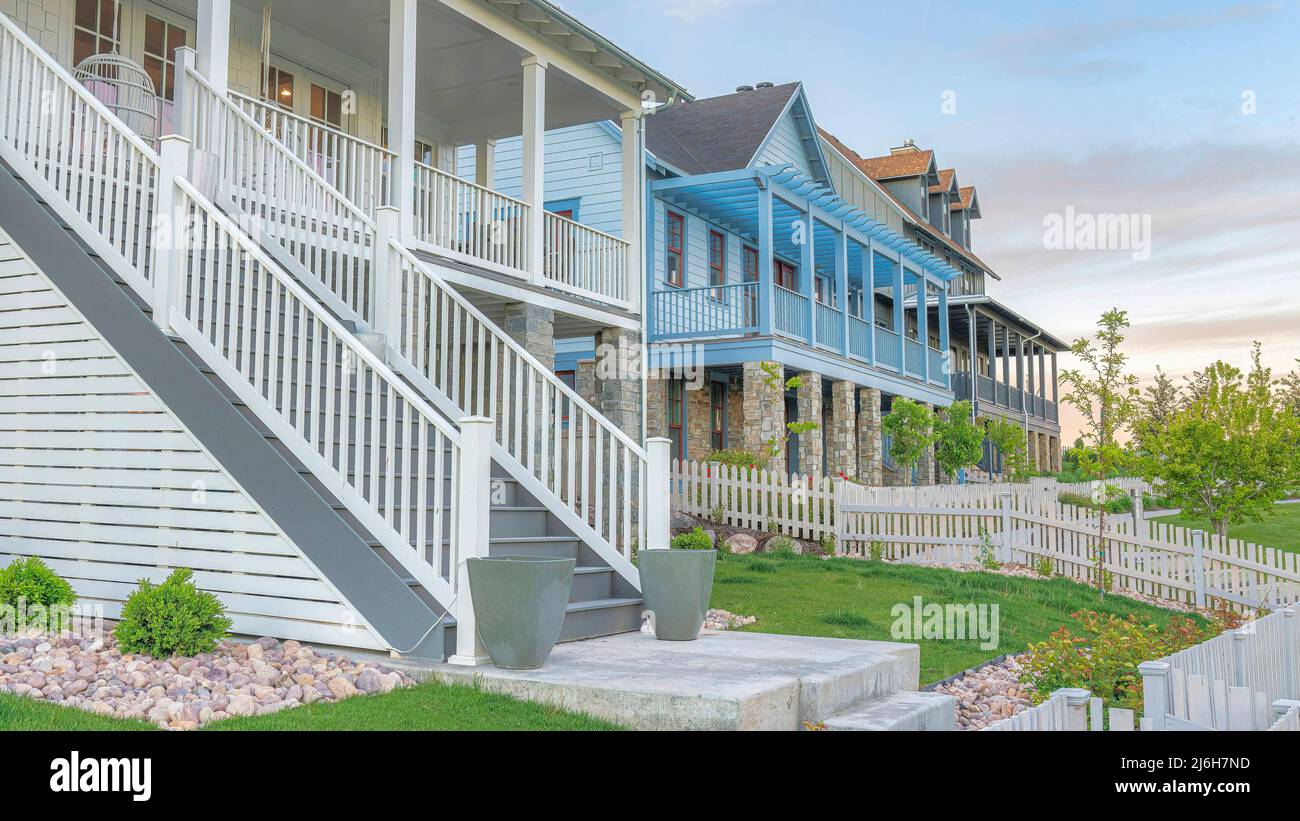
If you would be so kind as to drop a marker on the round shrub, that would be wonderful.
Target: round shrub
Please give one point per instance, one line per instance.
(697, 539)
(33, 590)
(174, 618)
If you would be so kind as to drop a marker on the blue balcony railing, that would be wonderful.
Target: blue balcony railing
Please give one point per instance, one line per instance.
(830, 328)
(791, 312)
(859, 338)
(936, 366)
(887, 348)
(706, 311)
(915, 358)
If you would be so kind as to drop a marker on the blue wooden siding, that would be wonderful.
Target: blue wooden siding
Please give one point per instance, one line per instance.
(583, 162)
(696, 249)
(784, 146)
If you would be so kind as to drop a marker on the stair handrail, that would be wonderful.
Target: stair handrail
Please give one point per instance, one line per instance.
(336, 201)
(62, 179)
(401, 343)
(367, 510)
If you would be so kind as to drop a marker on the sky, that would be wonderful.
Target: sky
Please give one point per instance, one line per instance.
(1184, 114)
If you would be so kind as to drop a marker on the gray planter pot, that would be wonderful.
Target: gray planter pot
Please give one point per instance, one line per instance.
(519, 604)
(676, 586)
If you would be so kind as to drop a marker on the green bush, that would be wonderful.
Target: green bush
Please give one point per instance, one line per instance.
(1043, 567)
(735, 458)
(697, 539)
(876, 551)
(780, 544)
(174, 618)
(37, 586)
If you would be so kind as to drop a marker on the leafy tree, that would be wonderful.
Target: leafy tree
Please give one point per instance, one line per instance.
(1289, 388)
(1160, 401)
(1010, 440)
(1107, 398)
(959, 440)
(910, 426)
(1232, 452)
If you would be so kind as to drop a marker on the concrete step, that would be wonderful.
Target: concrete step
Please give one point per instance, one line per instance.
(900, 712)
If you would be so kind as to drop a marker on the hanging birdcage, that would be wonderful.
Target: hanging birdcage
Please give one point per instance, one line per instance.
(125, 88)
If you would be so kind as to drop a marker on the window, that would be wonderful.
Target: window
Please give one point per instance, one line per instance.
(326, 106)
(717, 261)
(279, 87)
(96, 28)
(674, 271)
(784, 274)
(425, 151)
(718, 414)
(749, 272)
(161, 39)
(677, 416)
(819, 288)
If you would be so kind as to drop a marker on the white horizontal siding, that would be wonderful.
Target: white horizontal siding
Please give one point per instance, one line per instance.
(103, 482)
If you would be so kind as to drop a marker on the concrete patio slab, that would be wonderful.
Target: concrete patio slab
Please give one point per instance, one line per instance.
(721, 681)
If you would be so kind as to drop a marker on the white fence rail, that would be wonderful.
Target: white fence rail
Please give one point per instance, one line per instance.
(357, 168)
(798, 506)
(1070, 710)
(946, 526)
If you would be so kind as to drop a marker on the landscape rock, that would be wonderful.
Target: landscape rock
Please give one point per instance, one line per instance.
(742, 544)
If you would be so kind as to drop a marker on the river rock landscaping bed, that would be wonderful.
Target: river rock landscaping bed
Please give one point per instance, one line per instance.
(184, 693)
(988, 694)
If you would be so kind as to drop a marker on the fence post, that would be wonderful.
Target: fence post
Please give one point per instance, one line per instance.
(1198, 567)
(1155, 692)
(1076, 702)
(1239, 657)
(170, 239)
(1005, 498)
(658, 484)
(1139, 514)
(1289, 642)
(1283, 706)
(386, 274)
(472, 517)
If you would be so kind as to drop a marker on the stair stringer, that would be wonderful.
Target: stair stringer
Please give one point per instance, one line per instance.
(373, 607)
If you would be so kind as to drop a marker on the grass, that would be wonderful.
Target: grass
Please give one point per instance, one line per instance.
(429, 706)
(1280, 530)
(852, 599)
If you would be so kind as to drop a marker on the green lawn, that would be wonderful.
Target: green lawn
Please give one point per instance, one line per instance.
(425, 707)
(851, 598)
(1281, 530)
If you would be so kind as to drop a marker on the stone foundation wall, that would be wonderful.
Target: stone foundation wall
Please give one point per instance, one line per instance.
(809, 397)
(764, 414)
(870, 467)
(842, 434)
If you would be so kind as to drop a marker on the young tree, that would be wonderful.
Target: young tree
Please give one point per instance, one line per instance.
(959, 442)
(1232, 452)
(1289, 388)
(910, 426)
(1107, 398)
(774, 378)
(1010, 440)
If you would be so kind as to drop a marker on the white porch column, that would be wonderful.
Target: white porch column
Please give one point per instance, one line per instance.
(633, 202)
(485, 158)
(212, 41)
(534, 159)
(401, 109)
(473, 507)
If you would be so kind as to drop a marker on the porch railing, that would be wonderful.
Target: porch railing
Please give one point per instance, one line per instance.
(710, 310)
(915, 357)
(583, 261)
(470, 221)
(859, 338)
(791, 312)
(357, 168)
(830, 327)
(936, 366)
(887, 348)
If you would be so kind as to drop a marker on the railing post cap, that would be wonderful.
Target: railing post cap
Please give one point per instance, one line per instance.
(174, 139)
(1154, 668)
(1284, 705)
(658, 440)
(1075, 696)
(475, 420)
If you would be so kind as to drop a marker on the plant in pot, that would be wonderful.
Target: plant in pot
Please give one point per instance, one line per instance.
(519, 604)
(677, 585)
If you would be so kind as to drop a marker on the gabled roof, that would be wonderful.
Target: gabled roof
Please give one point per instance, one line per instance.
(918, 222)
(968, 201)
(718, 133)
(947, 182)
(918, 163)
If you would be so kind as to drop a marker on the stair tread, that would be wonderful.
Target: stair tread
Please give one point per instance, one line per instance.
(598, 604)
(902, 710)
(576, 571)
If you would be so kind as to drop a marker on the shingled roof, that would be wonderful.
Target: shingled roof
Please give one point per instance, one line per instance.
(895, 166)
(946, 176)
(967, 195)
(717, 133)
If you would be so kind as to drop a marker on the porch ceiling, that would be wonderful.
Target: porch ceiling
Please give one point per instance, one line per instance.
(469, 78)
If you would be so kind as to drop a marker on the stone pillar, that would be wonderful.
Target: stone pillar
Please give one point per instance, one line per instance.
(698, 430)
(618, 384)
(809, 396)
(1032, 452)
(925, 467)
(656, 420)
(870, 466)
(764, 414)
(1054, 447)
(533, 327)
(843, 434)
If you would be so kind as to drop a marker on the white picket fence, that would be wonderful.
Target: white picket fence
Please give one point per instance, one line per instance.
(951, 525)
(802, 507)
(1244, 679)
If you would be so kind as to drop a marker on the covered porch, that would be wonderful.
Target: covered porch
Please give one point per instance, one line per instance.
(844, 279)
(396, 86)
